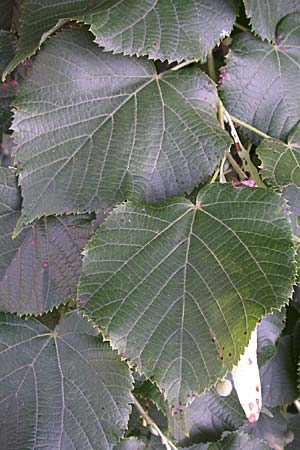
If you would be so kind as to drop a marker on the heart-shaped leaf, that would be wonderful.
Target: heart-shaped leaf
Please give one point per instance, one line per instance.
(261, 84)
(266, 14)
(179, 287)
(39, 269)
(113, 129)
(163, 29)
(60, 388)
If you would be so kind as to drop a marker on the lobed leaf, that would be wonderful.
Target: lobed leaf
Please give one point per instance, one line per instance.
(93, 128)
(266, 14)
(179, 287)
(63, 388)
(261, 84)
(41, 268)
(163, 29)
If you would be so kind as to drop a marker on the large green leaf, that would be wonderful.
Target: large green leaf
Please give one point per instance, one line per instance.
(60, 389)
(280, 161)
(265, 15)
(92, 127)
(162, 29)
(262, 83)
(39, 269)
(179, 287)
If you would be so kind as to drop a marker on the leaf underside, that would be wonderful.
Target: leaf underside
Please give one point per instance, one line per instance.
(168, 281)
(64, 388)
(41, 267)
(162, 29)
(93, 128)
(261, 84)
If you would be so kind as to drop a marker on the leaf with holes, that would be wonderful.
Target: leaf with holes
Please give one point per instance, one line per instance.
(163, 29)
(280, 161)
(40, 269)
(111, 129)
(169, 285)
(266, 14)
(262, 83)
(60, 387)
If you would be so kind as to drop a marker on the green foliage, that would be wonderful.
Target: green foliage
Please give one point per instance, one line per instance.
(149, 223)
(60, 386)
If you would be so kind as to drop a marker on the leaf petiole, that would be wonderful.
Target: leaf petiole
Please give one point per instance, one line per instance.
(150, 422)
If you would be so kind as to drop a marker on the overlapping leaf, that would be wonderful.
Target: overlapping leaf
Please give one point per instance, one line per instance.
(163, 29)
(268, 331)
(279, 376)
(92, 127)
(207, 417)
(262, 83)
(238, 440)
(39, 269)
(60, 388)
(266, 14)
(280, 161)
(168, 282)
(271, 428)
